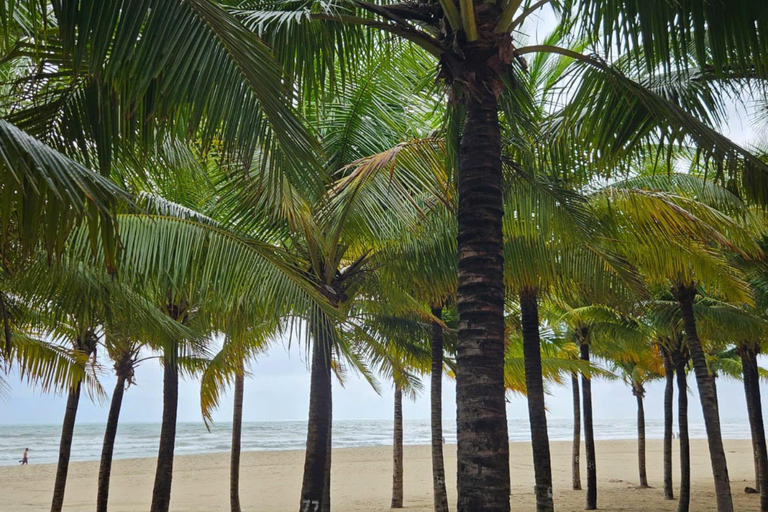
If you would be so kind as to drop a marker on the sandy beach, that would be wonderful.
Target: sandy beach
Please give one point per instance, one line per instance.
(362, 478)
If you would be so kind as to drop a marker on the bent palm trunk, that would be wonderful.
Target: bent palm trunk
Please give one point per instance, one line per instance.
(108, 448)
(397, 452)
(237, 431)
(65, 448)
(436, 414)
(161, 494)
(755, 413)
(316, 464)
(481, 418)
(684, 500)
(684, 296)
(639, 393)
(589, 433)
(576, 452)
(537, 413)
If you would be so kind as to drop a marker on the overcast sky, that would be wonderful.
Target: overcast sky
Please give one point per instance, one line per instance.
(278, 388)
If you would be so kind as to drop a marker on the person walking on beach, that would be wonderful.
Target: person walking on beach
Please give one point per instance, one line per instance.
(25, 458)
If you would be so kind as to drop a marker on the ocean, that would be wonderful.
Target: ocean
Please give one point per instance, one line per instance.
(141, 439)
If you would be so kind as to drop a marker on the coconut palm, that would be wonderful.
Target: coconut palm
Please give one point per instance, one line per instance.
(82, 304)
(637, 373)
(688, 262)
(474, 44)
(245, 339)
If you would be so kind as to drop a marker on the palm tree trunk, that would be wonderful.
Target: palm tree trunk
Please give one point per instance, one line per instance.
(108, 448)
(756, 463)
(397, 451)
(713, 380)
(684, 501)
(639, 392)
(589, 433)
(576, 454)
(327, 490)
(436, 414)
(669, 396)
(161, 494)
(537, 412)
(316, 465)
(237, 432)
(481, 416)
(65, 448)
(684, 296)
(755, 413)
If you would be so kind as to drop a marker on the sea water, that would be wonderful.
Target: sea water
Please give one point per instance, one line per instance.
(141, 439)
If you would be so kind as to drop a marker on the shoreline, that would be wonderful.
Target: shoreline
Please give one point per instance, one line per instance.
(362, 478)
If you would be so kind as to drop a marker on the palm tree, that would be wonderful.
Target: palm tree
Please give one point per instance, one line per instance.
(608, 333)
(245, 339)
(125, 356)
(84, 346)
(636, 373)
(687, 264)
(669, 396)
(436, 413)
(680, 357)
(748, 353)
(576, 450)
(473, 41)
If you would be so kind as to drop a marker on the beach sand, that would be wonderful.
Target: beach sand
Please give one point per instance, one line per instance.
(362, 479)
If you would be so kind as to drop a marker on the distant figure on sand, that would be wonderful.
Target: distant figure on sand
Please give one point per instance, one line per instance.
(25, 458)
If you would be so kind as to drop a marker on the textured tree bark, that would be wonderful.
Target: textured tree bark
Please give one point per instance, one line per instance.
(65, 448)
(161, 494)
(316, 464)
(436, 414)
(755, 413)
(639, 393)
(326, 506)
(537, 413)
(483, 441)
(589, 433)
(684, 296)
(684, 501)
(108, 448)
(237, 433)
(576, 453)
(669, 396)
(397, 452)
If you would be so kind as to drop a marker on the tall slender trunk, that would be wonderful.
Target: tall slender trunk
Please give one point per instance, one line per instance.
(669, 396)
(436, 414)
(755, 413)
(316, 466)
(65, 448)
(237, 432)
(576, 453)
(326, 505)
(756, 463)
(684, 296)
(639, 393)
(684, 501)
(537, 412)
(397, 451)
(589, 433)
(481, 416)
(713, 380)
(161, 494)
(108, 448)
